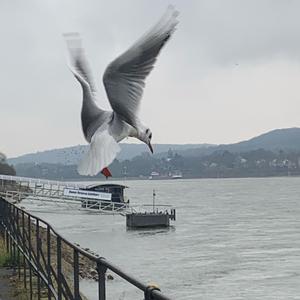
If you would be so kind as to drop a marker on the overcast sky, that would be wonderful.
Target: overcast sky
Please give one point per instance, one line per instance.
(230, 72)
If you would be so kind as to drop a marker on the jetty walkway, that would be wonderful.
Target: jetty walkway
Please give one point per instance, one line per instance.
(14, 189)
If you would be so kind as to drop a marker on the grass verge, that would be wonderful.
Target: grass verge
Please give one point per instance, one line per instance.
(5, 258)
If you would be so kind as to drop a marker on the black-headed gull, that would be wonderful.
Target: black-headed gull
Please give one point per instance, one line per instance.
(124, 81)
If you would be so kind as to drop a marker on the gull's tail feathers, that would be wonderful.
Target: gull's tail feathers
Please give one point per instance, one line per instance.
(103, 150)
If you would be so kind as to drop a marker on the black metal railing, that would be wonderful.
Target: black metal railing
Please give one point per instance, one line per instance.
(50, 265)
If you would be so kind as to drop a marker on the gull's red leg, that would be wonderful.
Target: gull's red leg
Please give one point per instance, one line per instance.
(106, 172)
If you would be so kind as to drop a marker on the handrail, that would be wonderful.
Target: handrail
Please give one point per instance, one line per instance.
(20, 242)
(40, 181)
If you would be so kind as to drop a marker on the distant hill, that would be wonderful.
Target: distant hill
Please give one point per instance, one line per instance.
(71, 155)
(287, 139)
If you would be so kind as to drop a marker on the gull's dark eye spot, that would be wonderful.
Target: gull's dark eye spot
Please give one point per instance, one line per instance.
(147, 130)
(150, 136)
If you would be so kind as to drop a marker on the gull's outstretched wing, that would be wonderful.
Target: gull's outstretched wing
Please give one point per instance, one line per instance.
(124, 78)
(92, 117)
(78, 59)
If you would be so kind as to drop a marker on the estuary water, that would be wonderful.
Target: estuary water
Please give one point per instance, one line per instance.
(233, 239)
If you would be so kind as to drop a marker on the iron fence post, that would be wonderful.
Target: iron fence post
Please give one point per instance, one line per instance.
(101, 269)
(19, 262)
(37, 239)
(76, 274)
(23, 243)
(30, 255)
(9, 230)
(49, 261)
(6, 225)
(7, 241)
(13, 236)
(59, 277)
(18, 250)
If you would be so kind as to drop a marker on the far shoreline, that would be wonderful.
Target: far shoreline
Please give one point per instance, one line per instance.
(168, 179)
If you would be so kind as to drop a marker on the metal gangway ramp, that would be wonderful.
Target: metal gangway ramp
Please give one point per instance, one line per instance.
(14, 189)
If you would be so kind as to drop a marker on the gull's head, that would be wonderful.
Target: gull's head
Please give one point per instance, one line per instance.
(146, 137)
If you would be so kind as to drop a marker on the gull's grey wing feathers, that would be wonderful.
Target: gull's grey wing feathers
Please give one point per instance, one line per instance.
(92, 117)
(124, 78)
(78, 59)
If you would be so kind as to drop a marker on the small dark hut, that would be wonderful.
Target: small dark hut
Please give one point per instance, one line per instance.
(116, 190)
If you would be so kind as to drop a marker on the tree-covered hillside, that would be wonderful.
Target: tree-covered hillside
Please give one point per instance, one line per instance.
(271, 154)
(5, 169)
(256, 163)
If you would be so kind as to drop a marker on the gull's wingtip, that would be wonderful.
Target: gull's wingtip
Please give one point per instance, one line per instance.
(73, 40)
(71, 35)
(173, 11)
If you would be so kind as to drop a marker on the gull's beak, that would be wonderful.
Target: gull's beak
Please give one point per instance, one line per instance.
(150, 147)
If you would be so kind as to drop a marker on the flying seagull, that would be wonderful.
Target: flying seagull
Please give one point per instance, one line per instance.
(124, 81)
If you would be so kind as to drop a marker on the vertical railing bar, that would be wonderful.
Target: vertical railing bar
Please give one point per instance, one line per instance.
(59, 279)
(7, 242)
(7, 226)
(24, 247)
(49, 261)
(30, 255)
(43, 261)
(6, 233)
(38, 265)
(19, 263)
(19, 241)
(14, 236)
(10, 231)
(101, 269)
(66, 290)
(76, 274)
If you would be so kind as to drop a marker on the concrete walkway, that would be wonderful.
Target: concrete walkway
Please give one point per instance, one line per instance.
(5, 287)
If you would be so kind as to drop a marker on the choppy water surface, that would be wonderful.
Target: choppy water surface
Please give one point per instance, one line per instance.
(233, 239)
